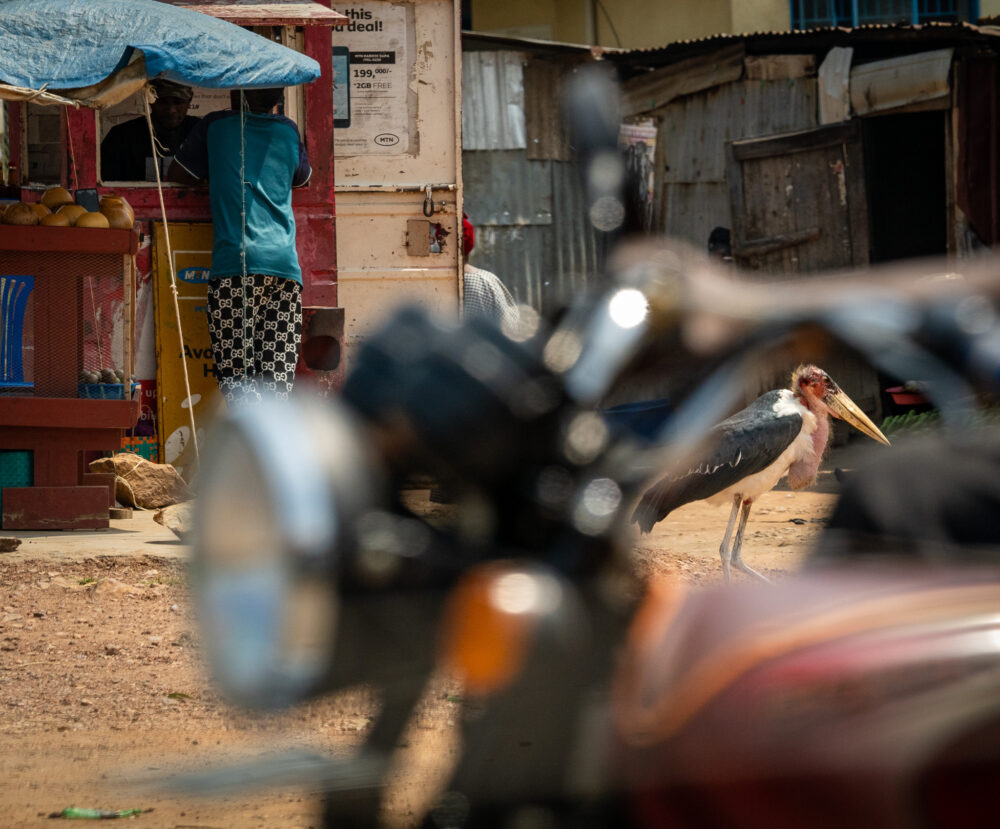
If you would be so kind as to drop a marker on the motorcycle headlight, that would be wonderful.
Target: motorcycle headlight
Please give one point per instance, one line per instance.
(281, 485)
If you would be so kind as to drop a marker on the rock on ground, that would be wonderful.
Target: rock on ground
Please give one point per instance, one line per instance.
(143, 484)
(176, 518)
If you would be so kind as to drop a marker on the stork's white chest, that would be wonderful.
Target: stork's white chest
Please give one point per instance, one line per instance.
(802, 456)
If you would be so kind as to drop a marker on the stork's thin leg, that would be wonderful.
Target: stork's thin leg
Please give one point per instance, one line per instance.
(738, 544)
(724, 549)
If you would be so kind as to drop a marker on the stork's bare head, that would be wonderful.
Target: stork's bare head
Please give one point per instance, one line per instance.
(819, 392)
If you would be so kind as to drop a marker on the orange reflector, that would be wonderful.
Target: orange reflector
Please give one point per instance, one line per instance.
(487, 623)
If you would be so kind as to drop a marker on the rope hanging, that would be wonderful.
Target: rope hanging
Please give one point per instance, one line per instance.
(173, 275)
(72, 155)
(248, 343)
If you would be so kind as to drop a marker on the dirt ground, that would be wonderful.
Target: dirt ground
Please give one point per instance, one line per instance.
(102, 687)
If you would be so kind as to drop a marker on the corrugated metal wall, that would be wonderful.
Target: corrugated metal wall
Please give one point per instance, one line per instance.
(692, 187)
(527, 206)
(493, 114)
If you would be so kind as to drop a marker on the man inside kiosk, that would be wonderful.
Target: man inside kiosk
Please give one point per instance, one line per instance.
(126, 151)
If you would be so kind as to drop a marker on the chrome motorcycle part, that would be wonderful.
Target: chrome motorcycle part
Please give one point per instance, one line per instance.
(282, 487)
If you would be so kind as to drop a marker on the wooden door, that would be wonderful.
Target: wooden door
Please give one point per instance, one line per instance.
(798, 200)
(799, 207)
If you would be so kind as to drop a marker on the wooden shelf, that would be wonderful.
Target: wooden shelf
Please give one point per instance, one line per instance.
(68, 412)
(67, 239)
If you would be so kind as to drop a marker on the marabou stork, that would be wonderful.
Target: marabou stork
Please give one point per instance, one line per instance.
(783, 432)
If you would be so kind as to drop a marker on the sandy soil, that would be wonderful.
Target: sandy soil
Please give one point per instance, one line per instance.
(102, 688)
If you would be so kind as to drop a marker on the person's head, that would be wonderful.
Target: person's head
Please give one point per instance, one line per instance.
(171, 104)
(259, 101)
(468, 236)
(720, 244)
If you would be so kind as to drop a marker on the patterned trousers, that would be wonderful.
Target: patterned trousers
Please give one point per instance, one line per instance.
(255, 329)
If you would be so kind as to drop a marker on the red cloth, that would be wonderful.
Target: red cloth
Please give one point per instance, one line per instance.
(468, 235)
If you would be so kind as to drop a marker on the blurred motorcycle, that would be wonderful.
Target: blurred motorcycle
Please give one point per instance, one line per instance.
(864, 694)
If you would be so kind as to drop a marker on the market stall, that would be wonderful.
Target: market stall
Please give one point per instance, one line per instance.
(82, 297)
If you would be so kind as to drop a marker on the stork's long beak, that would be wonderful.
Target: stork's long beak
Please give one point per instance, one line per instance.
(842, 406)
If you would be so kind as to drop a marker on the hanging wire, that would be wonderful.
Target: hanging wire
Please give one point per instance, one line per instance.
(173, 276)
(97, 325)
(611, 23)
(72, 155)
(249, 351)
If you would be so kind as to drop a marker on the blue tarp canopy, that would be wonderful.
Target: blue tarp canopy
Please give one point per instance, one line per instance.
(97, 52)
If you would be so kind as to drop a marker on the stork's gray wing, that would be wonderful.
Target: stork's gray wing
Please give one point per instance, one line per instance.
(746, 443)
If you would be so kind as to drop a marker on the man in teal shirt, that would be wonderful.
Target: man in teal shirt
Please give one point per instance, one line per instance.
(252, 159)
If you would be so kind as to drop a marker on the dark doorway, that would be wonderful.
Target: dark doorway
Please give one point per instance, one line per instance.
(905, 178)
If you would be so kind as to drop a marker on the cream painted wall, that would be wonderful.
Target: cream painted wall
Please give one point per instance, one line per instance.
(566, 20)
(762, 16)
(489, 16)
(989, 8)
(638, 23)
(650, 23)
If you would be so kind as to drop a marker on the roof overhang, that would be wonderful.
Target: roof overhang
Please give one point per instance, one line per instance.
(273, 13)
(871, 42)
(485, 41)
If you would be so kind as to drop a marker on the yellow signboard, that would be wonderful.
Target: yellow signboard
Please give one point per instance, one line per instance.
(192, 253)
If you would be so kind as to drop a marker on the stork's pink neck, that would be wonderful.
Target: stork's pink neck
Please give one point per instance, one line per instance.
(803, 472)
(821, 435)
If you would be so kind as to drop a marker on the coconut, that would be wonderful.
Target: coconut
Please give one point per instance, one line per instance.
(55, 220)
(93, 220)
(72, 212)
(56, 197)
(117, 215)
(118, 211)
(20, 214)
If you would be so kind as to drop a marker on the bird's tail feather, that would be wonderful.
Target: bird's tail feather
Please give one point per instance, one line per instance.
(645, 514)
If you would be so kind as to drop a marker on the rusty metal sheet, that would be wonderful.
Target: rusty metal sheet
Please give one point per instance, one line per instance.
(493, 101)
(275, 12)
(542, 264)
(901, 82)
(834, 86)
(816, 41)
(691, 210)
(529, 265)
(544, 130)
(504, 187)
(694, 130)
(579, 255)
(648, 92)
(520, 256)
(777, 67)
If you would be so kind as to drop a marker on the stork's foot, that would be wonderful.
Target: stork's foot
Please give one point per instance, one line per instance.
(746, 568)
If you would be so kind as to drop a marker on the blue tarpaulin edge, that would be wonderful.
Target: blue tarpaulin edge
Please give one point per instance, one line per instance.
(68, 44)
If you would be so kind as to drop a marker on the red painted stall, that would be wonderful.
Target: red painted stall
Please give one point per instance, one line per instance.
(61, 433)
(49, 418)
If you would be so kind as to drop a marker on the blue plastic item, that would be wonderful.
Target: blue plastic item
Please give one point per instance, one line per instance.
(643, 418)
(105, 391)
(77, 43)
(14, 291)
